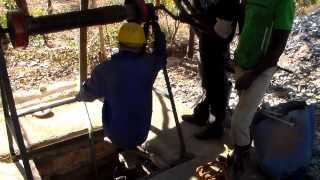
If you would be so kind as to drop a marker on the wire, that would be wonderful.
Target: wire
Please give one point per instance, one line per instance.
(90, 126)
(91, 143)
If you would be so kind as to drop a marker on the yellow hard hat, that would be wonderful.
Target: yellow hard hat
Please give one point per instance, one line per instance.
(131, 34)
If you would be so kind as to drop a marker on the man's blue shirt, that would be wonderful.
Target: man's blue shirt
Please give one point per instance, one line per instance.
(125, 82)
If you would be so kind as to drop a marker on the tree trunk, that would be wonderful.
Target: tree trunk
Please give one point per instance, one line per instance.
(22, 4)
(190, 50)
(102, 53)
(45, 37)
(50, 8)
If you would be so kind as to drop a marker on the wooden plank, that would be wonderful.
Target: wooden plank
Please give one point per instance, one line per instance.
(83, 46)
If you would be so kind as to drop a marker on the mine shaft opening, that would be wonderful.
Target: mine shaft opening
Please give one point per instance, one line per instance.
(51, 153)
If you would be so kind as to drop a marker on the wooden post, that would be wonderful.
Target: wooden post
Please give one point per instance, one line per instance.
(102, 53)
(83, 46)
(45, 37)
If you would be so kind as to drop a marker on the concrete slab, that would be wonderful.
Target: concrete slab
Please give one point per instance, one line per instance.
(162, 143)
(66, 119)
(10, 171)
(71, 118)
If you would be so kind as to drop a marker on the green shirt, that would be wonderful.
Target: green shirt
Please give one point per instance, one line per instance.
(261, 18)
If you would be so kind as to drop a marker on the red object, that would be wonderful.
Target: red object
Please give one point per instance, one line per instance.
(17, 29)
(143, 9)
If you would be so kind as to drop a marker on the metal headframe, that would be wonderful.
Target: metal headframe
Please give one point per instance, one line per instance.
(21, 25)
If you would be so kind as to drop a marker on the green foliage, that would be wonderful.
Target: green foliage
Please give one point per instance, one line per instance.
(114, 2)
(169, 4)
(306, 3)
(3, 20)
(37, 41)
(38, 11)
(302, 5)
(9, 4)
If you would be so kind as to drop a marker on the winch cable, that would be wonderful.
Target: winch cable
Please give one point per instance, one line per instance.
(92, 151)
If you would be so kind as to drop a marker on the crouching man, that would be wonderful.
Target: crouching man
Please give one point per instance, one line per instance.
(125, 82)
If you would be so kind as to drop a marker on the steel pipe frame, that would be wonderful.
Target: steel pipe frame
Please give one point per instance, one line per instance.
(77, 19)
(7, 118)
(40, 25)
(11, 117)
(175, 115)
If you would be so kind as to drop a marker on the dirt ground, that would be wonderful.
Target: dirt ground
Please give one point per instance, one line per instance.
(41, 64)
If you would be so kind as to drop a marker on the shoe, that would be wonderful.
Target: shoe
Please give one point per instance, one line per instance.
(212, 131)
(200, 114)
(122, 173)
(194, 119)
(119, 173)
(240, 156)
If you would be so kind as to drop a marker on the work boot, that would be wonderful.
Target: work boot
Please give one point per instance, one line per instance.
(200, 114)
(240, 156)
(195, 119)
(211, 131)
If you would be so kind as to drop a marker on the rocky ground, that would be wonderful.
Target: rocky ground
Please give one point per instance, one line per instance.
(39, 64)
(303, 51)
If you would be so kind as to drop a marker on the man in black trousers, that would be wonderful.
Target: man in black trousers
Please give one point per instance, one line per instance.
(221, 17)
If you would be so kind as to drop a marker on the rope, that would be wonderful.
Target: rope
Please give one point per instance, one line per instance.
(91, 144)
(212, 170)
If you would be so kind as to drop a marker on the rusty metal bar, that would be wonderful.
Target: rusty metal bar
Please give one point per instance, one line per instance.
(77, 19)
(21, 26)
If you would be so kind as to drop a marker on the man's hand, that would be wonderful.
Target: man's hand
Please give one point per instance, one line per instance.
(245, 81)
(84, 95)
